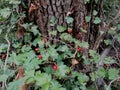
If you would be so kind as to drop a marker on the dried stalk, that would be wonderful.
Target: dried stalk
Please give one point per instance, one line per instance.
(105, 29)
(6, 60)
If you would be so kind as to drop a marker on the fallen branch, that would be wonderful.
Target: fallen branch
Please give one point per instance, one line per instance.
(105, 29)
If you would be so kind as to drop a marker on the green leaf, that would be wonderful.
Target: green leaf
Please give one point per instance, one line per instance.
(107, 41)
(56, 86)
(109, 60)
(101, 32)
(26, 25)
(3, 77)
(30, 55)
(97, 20)
(5, 12)
(14, 1)
(84, 44)
(42, 79)
(95, 57)
(27, 38)
(34, 30)
(113, 73)
(25, 48)
(52, 52)
(30, 80)
(29, 76)
(46, 86)
(118, 26)
(15, 85)
(107, 87)
(13, 58)
(1, 63)
(53, 33)
(83, 78)
(33, 64)
(48, 70)
(77, 43)
(92, 52)
(69, 19)
(0, 31)
(76, 89)
(95, 12)
(66, 36)
(53, 21)
(86, 61)
(3, 47)
(118, 37)
(94, 76)
(62, 48)
(86, 1)
(61, 28)
(45, 56)
(30, 73)
(61, 72)
(96, 1)
(87, 18)
(20, 59)
(39, 42)
(83, 30)
(81, 44)
(101, 72)
(112, 32)
(83, 87)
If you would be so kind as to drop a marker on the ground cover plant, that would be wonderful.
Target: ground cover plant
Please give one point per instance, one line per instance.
(59, 45)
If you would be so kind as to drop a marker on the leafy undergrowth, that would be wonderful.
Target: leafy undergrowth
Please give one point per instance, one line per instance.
(38, 64)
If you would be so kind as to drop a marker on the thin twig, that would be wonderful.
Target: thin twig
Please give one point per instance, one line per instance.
(7, 51)
(106, 28)
(59, 41)
(96, 85)
(112, 82)
(6, 60)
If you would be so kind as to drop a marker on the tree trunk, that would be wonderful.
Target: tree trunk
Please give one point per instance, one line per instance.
(58, 9)
(44, 10)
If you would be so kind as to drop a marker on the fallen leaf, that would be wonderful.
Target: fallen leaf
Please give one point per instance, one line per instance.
(20, 34)
(21, 29)
(85, 25)
(74, 62)
(20, 74)
(32, 8)
(44, 40)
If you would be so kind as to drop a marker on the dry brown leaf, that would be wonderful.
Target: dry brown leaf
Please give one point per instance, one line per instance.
(32, 8)
(85, 25)
(44, 40)
(23, 87)
(69, 30)
(74, 62)
(112, 28)
(71, 11)
(20, 34)
(20, 74)
(21, 29)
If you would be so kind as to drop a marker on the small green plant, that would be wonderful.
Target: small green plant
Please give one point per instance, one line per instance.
(38, 63)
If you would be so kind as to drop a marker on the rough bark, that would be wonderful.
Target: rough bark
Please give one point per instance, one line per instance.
(58, 9)
(46, 9)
